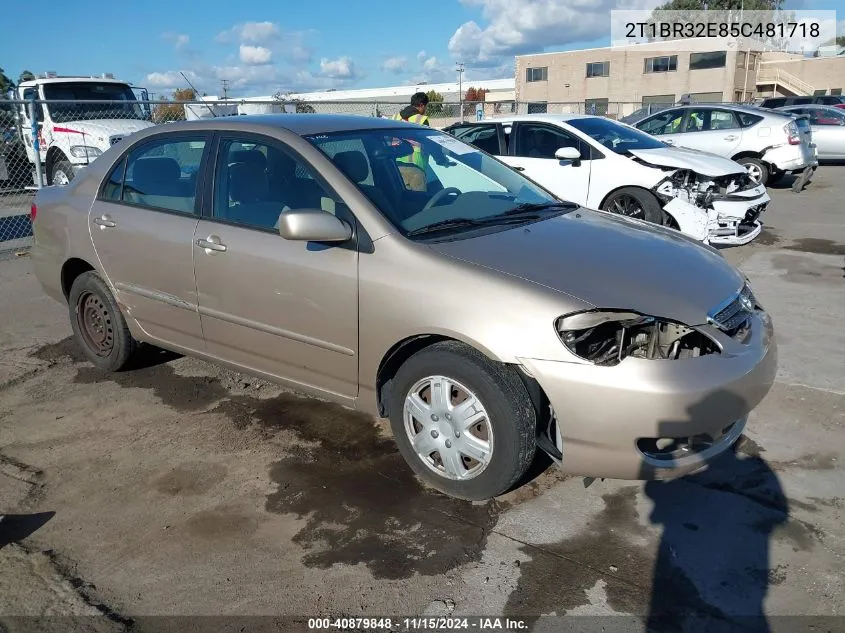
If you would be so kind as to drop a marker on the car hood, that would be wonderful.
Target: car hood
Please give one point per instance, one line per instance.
(702, 163)
(101, 129)
(609, 262)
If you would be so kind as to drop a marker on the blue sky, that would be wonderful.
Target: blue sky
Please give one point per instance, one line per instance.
(261, 46)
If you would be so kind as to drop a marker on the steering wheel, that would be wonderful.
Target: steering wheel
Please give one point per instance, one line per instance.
(437, 197)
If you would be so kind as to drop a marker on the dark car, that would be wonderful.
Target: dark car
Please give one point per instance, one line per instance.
(837, 101)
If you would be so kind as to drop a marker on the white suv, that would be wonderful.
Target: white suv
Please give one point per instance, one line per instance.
(768, 144)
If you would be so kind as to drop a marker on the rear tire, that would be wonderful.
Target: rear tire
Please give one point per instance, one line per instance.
(98, 324)
(757, 169)
(499, 427)
(635, 203)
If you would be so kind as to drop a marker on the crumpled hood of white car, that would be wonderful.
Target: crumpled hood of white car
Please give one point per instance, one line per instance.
(683, 158)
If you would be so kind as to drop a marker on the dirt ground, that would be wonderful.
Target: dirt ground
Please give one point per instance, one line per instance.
(183, 489)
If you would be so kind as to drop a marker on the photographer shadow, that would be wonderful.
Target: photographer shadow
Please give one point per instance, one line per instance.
(713, 567)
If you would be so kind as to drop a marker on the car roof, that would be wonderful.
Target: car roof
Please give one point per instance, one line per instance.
(539, 116)
(302, 124)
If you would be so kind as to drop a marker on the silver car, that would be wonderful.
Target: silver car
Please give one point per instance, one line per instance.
(828, 126)
(392, 268)
(767, 143)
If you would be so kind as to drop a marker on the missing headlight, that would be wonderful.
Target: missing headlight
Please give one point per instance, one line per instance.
(606, 338)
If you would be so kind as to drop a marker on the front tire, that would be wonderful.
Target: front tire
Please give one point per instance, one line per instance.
(61, 173)
(635, 203)
(757, 169)
(98, 325)
(464, 424)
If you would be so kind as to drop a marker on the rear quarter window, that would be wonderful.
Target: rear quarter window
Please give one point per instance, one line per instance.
(746, 119)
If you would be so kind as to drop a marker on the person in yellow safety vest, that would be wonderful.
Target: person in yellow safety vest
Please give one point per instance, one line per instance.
(415, 113)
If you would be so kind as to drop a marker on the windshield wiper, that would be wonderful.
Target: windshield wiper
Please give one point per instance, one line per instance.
(462, 223)
(527, 207)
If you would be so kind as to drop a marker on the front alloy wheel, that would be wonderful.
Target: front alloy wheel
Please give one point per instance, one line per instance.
(448, 428)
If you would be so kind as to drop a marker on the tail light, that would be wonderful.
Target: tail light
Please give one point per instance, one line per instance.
(793, 136)
(33, 211)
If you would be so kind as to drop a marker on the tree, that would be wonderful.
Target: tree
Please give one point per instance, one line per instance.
(26, 76)
(5, 84)
(435, 103)
(473, 96)
(165, 112)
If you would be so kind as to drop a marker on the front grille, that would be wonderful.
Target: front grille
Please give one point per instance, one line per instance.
(732, 317)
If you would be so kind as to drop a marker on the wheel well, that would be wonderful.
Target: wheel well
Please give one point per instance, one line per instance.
(747, 155)
(53, 154)
(70, 271)
(610, 193)
(394, 359)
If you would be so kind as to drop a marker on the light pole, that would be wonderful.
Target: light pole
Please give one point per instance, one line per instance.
(460, 69)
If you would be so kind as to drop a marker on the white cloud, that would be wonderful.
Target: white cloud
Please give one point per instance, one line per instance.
(255, 32)
(340, 68)
(395, 64)
(421, 55)
(180, 40)
(255, 55)
(169, 79)
(430, 64)
(513, 28)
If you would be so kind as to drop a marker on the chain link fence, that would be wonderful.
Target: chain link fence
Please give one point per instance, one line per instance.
(71, 134)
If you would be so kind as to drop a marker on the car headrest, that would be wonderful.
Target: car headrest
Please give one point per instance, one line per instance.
(151, 172)
(353, 164)
(247, 184)
(252, 157)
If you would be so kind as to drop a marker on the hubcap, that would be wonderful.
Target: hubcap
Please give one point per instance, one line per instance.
(754, 172)
(628, 206)
(95, 324)
(60, 178)
(448, 428)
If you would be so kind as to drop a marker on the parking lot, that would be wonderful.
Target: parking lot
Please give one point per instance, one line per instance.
(181, 488)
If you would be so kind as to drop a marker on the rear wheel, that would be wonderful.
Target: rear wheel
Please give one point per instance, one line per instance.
(464, 424)
(62, 173)
(757, 169)
(98, 325)
(635, 203)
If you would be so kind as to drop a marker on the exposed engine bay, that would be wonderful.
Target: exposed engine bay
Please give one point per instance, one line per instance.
(715, 210)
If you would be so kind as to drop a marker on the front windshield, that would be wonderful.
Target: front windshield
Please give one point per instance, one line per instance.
(422, 177)
(75, 95)
(615, 136)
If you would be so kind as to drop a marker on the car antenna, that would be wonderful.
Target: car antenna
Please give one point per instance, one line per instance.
(196, 94)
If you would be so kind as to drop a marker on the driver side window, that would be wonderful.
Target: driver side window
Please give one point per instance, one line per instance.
(668, 122)
(542, 141)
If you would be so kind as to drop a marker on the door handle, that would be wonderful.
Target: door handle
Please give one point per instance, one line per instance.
(211, 244)
(105, 222)
(669, 141)
(517, 168)
(731, 137)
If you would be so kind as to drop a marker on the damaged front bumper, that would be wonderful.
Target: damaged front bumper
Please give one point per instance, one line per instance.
(713, 212)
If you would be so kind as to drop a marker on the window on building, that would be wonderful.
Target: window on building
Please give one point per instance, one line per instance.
(663, 64)
(701, 61)
(537, 107)
(819, 93)
(537, 74)
(741, 57)
(658, 100)
(596, 106)
(836, 92)
(598, 69)
(706, 97)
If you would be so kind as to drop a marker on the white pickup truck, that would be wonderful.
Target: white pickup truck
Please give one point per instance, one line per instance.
(78, 118)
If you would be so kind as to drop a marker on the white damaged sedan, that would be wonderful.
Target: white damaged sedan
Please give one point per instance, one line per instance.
(604, 164)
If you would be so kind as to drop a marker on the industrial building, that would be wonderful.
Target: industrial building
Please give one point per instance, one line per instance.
(661, 72)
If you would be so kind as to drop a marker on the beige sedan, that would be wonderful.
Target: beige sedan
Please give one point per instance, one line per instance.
(394, 269)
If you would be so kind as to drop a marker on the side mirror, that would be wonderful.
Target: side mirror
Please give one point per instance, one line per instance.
(313, 225)
(568, 153)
